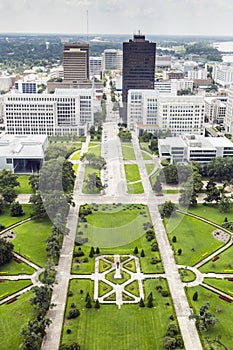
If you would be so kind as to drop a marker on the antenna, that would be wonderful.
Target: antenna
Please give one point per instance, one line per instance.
(87, 26)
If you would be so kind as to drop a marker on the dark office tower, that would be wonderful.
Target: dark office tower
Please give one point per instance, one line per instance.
(138, 65)
(76, 62)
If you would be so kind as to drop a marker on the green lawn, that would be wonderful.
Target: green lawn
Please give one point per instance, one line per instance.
(13, 317)
(146, 156)
(149, 168)
(131, 327)
(132, 172)
(128, 151)
(95, 148)
(7, 220)
(133, 288)
(135, 188)
(104, 288)
(24, 188)
(212, 213)
(221, 284)
(222, 265)
(8, 287)
(225, 326)
(116, 229)
(30, 240)
(193, 237)
(187, 275)
(104, 265)
(170, 191)
(75, 155)
(14, 268)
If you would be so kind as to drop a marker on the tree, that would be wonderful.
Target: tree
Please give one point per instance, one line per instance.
(38, 209)
(142, 254)
(205, 319)
(9, 194)
(34, 182)
(41, 300)
(179, 251)
(188, 195)
(141, 303)
(16, 209)
(195, 296)
(224, 204)
(34, 332)
(213, 193)
(8, 179)
(135, 250)
(92, 252)
(6, 251)
(150, 300)
(97, 251)
(174, 239)
(97, 304)
(157, 187)
(93, 183)
(167, 209)
(88, 304)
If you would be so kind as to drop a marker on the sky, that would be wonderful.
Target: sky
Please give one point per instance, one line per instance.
(178, 17)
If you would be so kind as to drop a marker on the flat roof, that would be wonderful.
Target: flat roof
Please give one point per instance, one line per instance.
(22, 146)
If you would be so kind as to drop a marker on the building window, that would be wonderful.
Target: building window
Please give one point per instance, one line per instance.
(9, 161)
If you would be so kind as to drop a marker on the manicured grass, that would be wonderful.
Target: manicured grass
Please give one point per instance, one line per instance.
(212, 213)
(146, 156)
(14, 268)
(130, 265)
(104, 288)
(193, 237)
(7, 220)
(75, 155)
(145, 146)
(8, 287)
(24, 187)
(133, 288)
(225, 326)
(75, 168)
(132, 172)
(170, 191)
(130, 327)
(128, 151)
(13, 317)
(30, 240)
(222, 265)
(82, 267)
(95, 148)
(135, 188)
(187, 275)
(104, 266)
(117, 231)
(221, 284)
(149, 168)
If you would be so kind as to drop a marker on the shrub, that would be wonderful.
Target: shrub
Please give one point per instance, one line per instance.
(165, 293)
(73, 313)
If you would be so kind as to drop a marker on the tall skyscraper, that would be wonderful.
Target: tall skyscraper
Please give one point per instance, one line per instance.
(138, 64)
(76, 62)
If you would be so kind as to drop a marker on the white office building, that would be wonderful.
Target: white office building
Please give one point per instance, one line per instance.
(215, 109)
(112, 59)
(197, 74)
(223, 74)
(194, 148)
(65, 112)
(228, 121)
(149, 110)
(163, 62)
(95, 64)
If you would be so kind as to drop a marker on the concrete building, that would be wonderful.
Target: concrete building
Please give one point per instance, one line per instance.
(197, 148)
(138, 65)
(197, 74)
(26, 87)
(223, 74)
(76, 62)
(22, 154)
(95, 65)
(63, 113)
(228, 122)
(173, 86)
(112, 59)
(149, 110)
(163, 62)
(5, 83)
(215, 109)
(173, 74)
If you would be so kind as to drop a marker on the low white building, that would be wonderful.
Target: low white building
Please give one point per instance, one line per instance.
(197, 74)
(149, 110)
(197, 148)
(163, 62)
(66, 112)
(223, 74)
(22, 154)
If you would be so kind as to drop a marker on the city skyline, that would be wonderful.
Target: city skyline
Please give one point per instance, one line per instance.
(178, 17)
